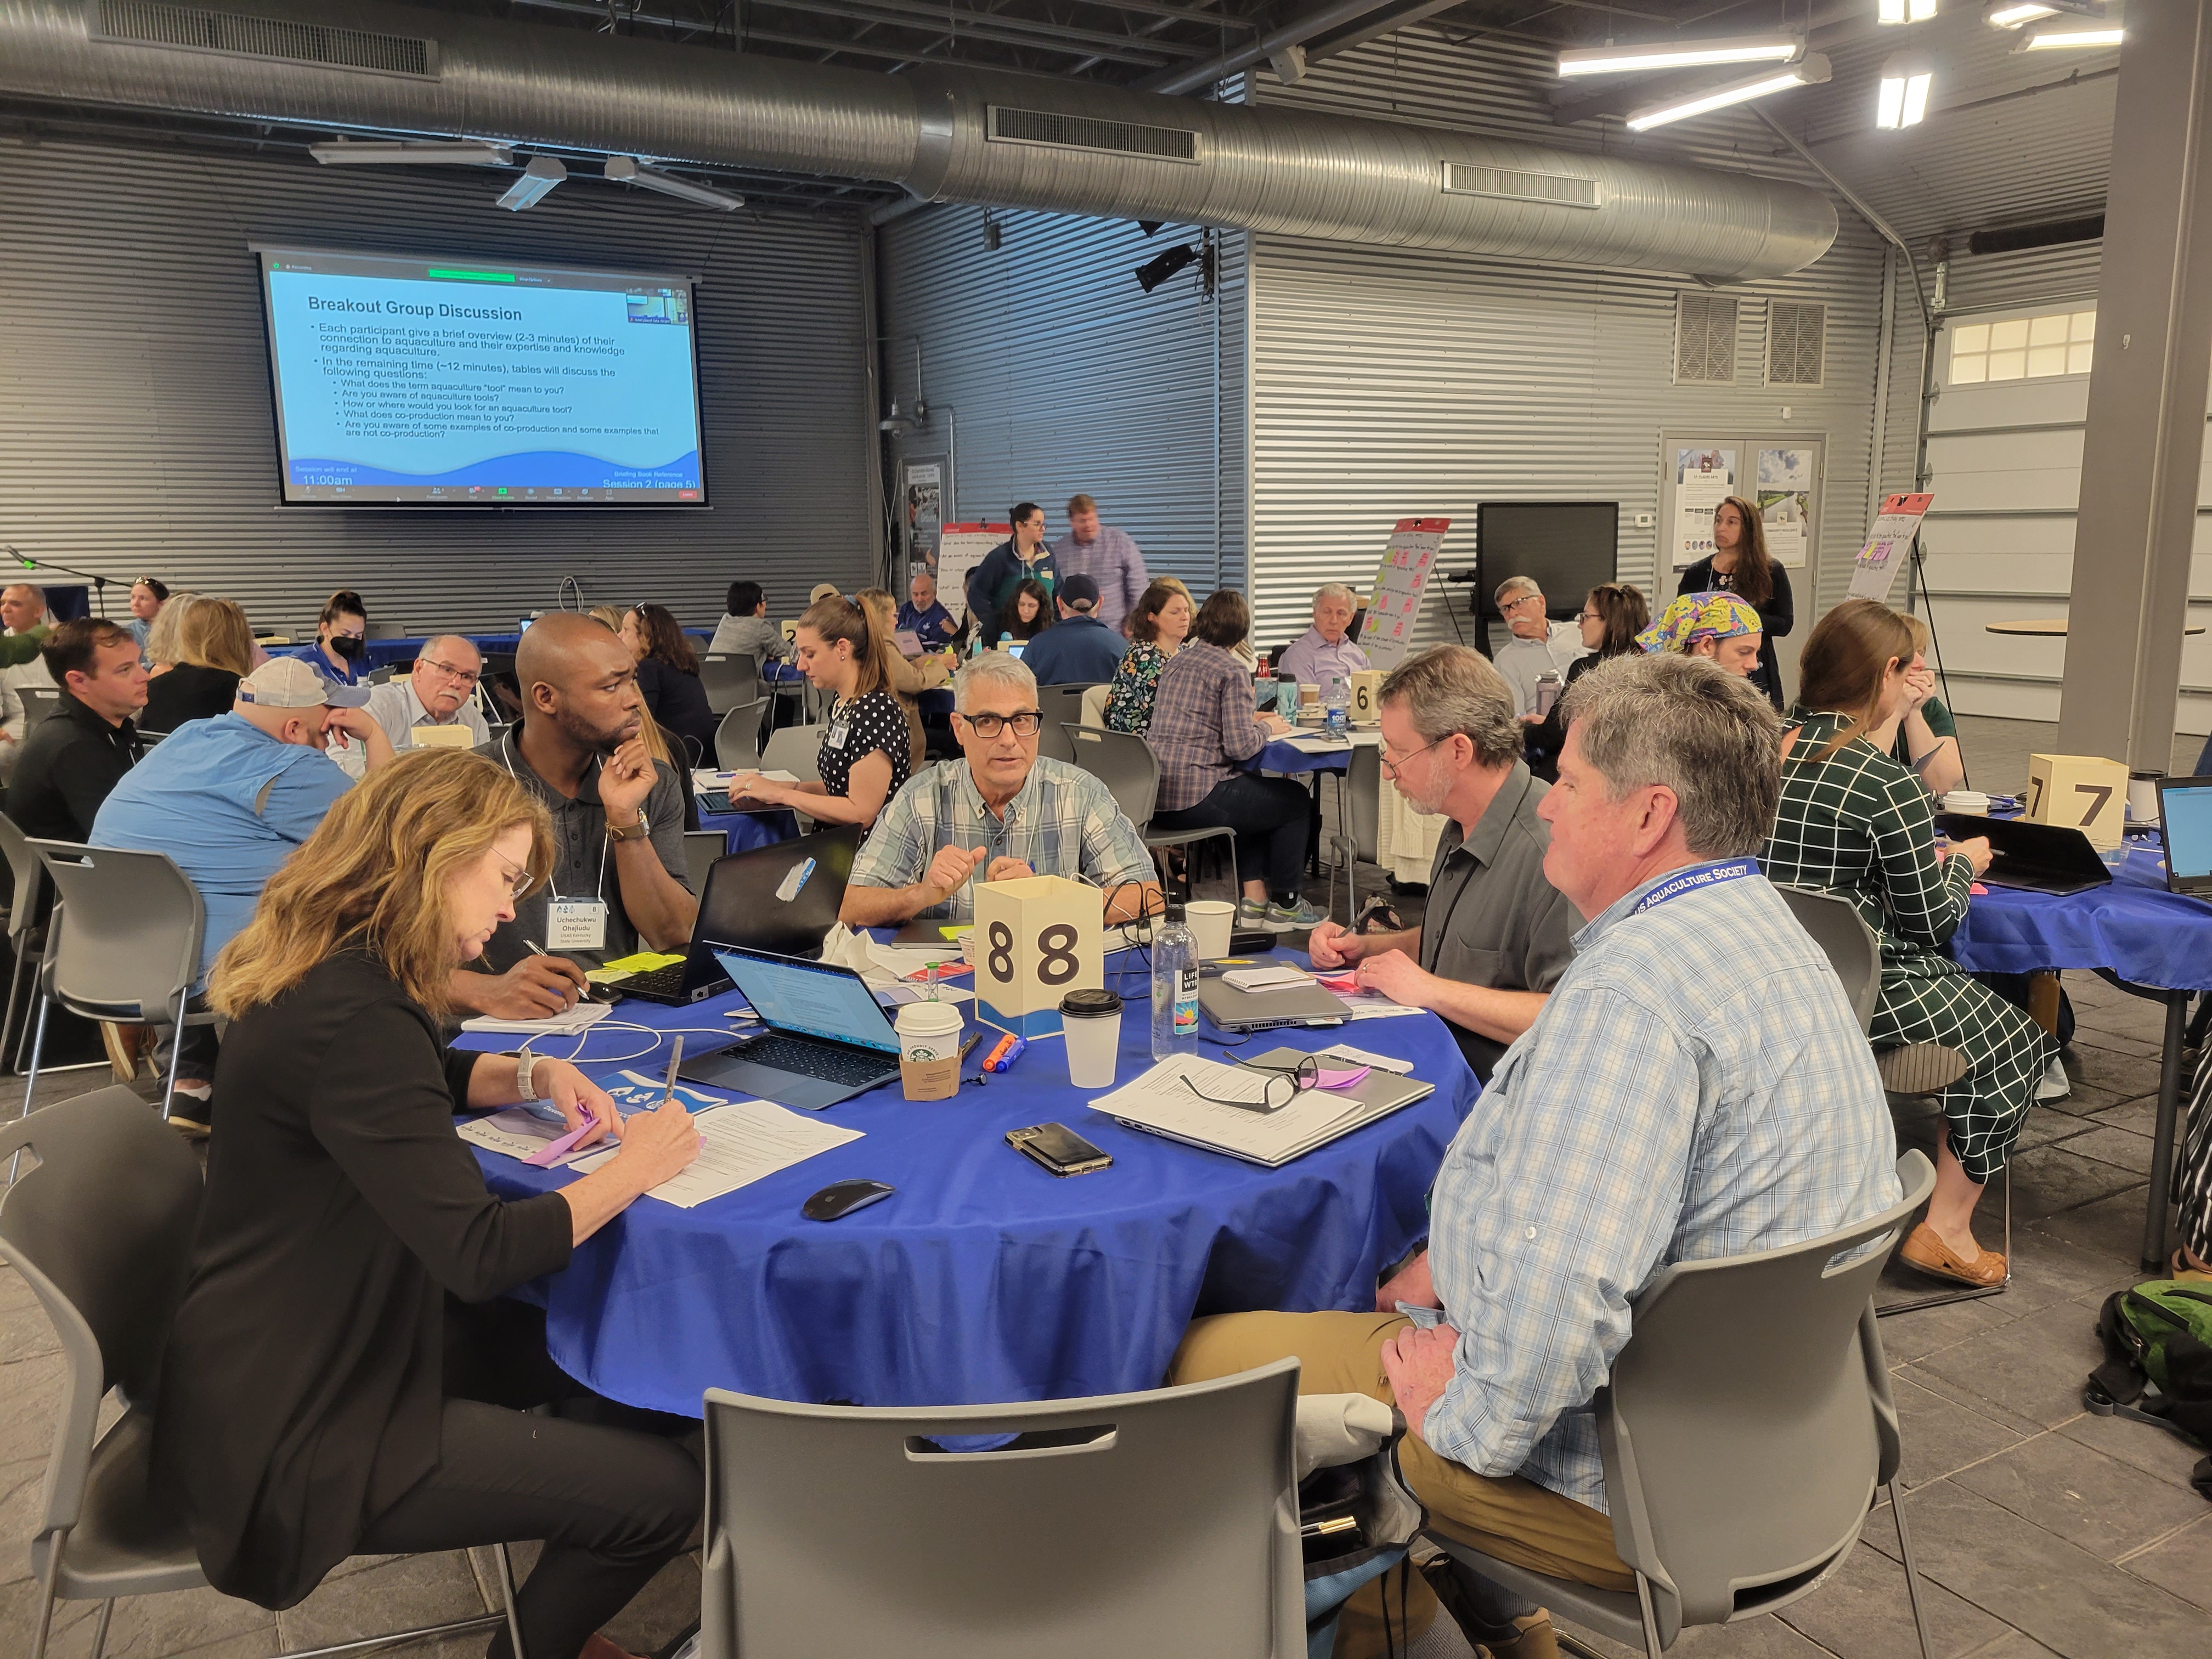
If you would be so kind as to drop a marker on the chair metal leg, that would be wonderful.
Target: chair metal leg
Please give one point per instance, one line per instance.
(100, 1630)
(1651, 1649)
(176, 1052)
(38, 1047)
(423, 1632)
(1912, 1570)
(47, 1600)
(14, 990)
(507, 1596)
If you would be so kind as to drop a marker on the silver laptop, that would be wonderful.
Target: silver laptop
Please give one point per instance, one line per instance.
(827, 1040)
(1233, 1010)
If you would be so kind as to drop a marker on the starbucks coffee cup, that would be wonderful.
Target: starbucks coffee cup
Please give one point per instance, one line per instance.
(929, 1049)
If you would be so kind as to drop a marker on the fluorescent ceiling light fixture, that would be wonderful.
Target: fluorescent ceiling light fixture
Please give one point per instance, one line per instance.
(1903, 101)
(1683, 54)
(438, 152)
(1905, 11)
(629, 170)
(1811, 72)
(2045, 39)
(2011, 13)
(535, 185)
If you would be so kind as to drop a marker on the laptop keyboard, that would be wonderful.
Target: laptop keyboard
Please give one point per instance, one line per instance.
(830, 1063)
(664, 982)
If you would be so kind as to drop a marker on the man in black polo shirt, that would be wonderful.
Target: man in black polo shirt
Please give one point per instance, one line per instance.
(1495, 935)
(619, 884)
(74, 756)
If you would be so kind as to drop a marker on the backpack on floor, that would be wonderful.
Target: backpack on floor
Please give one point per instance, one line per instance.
(2157, 1363)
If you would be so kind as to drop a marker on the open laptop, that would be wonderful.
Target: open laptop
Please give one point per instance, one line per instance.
(2184, 817)
(2041, 858)
(764, 899)
(827, 1040)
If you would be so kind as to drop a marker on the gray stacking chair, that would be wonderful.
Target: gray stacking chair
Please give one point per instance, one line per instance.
(1359, 805)
(1062, 706)
(1163, 1523)
(1746, 1429)
(796, 750)
(1855, 954)
(100, 1227)
(737, 739)
(123, 944)
(30, 877)
(39, 701)
(730, 678)
(1125, 763)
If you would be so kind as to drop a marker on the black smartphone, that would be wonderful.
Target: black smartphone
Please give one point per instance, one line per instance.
(1058, 1148)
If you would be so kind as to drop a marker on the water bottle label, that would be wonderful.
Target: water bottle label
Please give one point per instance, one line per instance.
(1186, 1005)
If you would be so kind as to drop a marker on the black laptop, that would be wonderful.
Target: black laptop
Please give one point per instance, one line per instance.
(2041, 858)
(781, 898)
(827, 1037)
(2184, 817)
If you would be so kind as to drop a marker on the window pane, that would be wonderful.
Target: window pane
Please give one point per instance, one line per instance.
(2085, 324)
(1974, 337)
(2008, 336)
(2007, 365)
(1971, 370)
(2046, 360)
(2048, 330)
(2077, 358)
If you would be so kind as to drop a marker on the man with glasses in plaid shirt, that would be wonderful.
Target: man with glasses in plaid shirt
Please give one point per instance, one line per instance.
(998, 813)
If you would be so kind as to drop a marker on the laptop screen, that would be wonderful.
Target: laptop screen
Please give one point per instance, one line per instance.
(2188, 829)
(811, 998)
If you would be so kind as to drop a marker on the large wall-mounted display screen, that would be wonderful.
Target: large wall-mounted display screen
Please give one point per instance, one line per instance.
(402, 381)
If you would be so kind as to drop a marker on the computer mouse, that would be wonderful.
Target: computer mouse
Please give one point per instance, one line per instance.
(842, 1198)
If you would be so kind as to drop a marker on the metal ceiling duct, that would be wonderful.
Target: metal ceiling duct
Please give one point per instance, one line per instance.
(945, 133)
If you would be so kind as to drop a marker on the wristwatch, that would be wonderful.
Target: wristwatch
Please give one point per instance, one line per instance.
(637, 831)
(523, 1064)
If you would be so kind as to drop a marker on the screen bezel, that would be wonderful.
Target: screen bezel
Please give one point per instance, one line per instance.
(262, 252)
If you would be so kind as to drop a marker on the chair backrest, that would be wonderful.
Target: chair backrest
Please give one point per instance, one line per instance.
(1094, 704)
(125, 936)
(30, 875)
(1853, 951)
(737, 739)
(1125, 763)
(39, 701)
(383, 676)
(1364, 781)
(701, 848)
(1743, 1427)
(730, 677)
(796, 750)
(1062, 705)
(101, 1230)
(1163, 1523)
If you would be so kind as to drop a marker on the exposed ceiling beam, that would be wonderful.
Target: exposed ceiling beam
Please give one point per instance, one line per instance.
(1390, 19)
(996, 27)
(1276, 42)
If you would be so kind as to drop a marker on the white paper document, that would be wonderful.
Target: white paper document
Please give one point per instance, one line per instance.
(746, 1140)
(1320, 746)
(578, 1020)
(1276, 978)
(518, 1132)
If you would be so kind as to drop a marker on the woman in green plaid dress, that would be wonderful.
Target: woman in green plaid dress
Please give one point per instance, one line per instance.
(1854, 823)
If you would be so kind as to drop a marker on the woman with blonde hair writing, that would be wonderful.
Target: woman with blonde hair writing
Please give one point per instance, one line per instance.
(341, 1379)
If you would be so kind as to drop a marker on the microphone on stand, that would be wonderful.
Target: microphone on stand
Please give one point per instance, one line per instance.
(98, 582)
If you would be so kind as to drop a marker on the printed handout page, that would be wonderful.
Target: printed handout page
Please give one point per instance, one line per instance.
(746, 1140)
(1166, 1099)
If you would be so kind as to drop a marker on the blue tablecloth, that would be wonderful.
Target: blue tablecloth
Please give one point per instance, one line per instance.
(2133, 927)
(985, 1278)
(746, 831)
(1279, 756)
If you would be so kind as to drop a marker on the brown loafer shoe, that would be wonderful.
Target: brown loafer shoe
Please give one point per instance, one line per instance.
(1920, 1068)
(1926, 1250)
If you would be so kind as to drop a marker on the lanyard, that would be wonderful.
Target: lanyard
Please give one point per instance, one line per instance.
(507, 754)
(1697, 876)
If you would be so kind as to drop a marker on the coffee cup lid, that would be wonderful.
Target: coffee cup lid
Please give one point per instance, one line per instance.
(1086, 1004)
(926, 1013)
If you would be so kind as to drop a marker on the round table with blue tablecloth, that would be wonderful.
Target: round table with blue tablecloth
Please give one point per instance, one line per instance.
(746, 831)
(984, 1279)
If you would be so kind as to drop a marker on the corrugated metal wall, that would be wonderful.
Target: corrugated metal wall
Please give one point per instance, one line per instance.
(1048, 371)
(1389, 381)
(135, 422)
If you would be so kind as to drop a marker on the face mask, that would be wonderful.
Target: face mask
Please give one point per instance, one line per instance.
(348, 647)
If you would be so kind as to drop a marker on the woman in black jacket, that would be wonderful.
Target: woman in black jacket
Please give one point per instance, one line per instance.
(1739, 564)
(317, 1397)
(668, 676)
(1612, 617)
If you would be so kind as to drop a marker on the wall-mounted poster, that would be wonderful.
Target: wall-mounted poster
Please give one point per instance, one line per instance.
(1785, 502)
(1704, 476)
(922, 502)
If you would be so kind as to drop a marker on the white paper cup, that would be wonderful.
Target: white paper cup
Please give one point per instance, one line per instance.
(1090, 1021)
(929, 1048)
(1211, 921)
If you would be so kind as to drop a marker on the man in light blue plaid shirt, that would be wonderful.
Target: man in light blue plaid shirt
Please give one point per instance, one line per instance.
(1697, 1086)
(998, 813)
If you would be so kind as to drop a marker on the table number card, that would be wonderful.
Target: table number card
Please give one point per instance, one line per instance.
(1036, 939)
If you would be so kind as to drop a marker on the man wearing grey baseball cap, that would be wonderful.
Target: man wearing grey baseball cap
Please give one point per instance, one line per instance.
(228, 799)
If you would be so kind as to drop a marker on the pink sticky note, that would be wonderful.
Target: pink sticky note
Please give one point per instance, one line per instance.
(1343, 1079)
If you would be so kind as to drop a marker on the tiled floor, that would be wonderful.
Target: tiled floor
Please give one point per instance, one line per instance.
(2041, 1529)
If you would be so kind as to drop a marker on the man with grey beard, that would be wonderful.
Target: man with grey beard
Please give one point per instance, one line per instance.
(1495, 935)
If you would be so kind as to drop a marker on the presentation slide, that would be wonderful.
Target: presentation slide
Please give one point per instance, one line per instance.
(412, 382)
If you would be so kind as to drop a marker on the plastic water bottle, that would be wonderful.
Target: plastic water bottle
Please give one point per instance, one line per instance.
(1175, 988)
(1337, 708)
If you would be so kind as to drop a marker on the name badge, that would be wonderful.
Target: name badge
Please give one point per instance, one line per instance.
(840, 729)
(576, 925)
